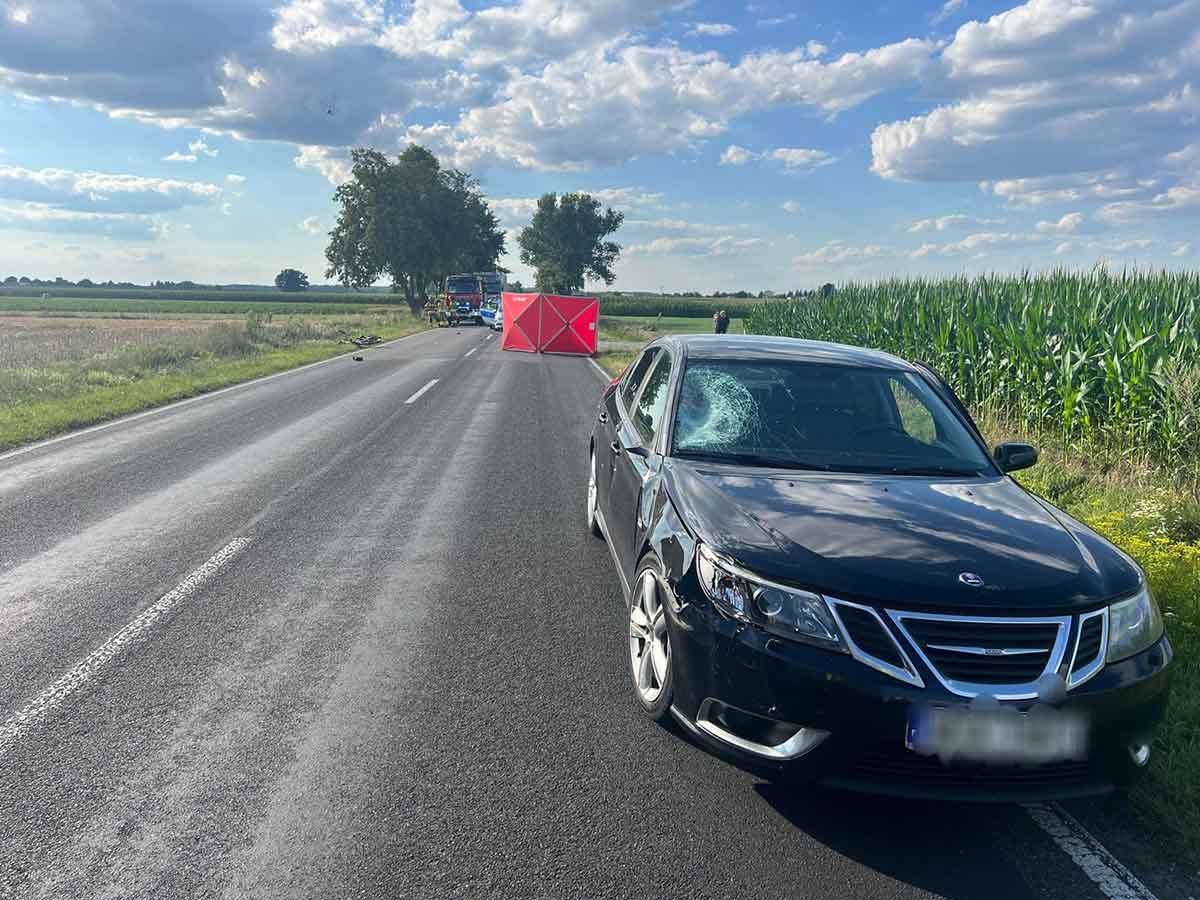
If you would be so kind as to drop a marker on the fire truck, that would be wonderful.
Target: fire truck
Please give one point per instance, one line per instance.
(463, 298)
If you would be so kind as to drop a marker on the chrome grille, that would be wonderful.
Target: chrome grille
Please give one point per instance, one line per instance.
(1091, 647)
(872, 643)
(972, 655)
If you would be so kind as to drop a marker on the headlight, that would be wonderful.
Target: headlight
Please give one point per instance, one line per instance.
(1133, 625)
(784, 611)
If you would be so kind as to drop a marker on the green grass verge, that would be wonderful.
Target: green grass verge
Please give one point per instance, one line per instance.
(1160, 529)
(31, 421)
(614, 361)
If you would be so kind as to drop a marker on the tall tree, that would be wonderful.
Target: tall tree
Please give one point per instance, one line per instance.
(292, 281)
(565, 242)
(411, 221)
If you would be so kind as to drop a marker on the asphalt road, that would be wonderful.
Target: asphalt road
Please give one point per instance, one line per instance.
(307, 639)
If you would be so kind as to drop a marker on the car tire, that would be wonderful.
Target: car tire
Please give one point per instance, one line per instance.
(593, 517)
(648, 650)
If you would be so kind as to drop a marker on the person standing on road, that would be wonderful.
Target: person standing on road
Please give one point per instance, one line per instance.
(717, 322)
(721, 322)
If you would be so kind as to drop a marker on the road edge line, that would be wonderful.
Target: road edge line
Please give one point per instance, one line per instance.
(176, 404)
(83, 672)
(604, 376)
(1108, 873)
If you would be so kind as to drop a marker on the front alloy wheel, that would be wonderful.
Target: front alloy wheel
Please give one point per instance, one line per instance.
(650, 646)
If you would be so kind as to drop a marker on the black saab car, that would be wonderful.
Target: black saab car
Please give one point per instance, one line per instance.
(829, 576)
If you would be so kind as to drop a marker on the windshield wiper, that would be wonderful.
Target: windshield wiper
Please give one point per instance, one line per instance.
(750, 459)
(932, 470)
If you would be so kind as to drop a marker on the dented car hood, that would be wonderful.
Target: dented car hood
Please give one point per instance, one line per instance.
(900, 541)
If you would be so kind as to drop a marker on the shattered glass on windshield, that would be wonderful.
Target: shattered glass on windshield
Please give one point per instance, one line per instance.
(716, 411)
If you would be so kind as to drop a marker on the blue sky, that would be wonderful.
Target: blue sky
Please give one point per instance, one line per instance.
(764, 145)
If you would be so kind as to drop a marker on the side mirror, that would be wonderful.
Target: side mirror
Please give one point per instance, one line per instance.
(1011, 457)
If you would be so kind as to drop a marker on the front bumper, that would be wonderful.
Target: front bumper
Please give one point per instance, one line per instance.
(759, 688)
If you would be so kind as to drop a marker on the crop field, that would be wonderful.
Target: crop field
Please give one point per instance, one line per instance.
(673, 307)
(1095, 360)
(61, 372)
(161, 305)
(216, 295)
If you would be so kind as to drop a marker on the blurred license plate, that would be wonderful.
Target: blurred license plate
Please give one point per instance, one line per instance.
(997, 734)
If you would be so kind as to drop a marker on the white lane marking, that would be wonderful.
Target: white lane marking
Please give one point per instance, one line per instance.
(469, 352)
(44, 703)
(417, 396)
(600, 371)
(125, 420)
(1113, 879)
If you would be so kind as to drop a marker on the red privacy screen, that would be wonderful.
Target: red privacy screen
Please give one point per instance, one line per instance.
(547, 323)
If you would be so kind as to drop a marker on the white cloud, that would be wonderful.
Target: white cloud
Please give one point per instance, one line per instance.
(735, 155)
(1064, 247)
(949, 8)
(711, 29)
(200, 147)
(799, 158)
(684, 225)
(1183, 248)
(176, 156)
(1067, 224)
(101, 191)
(1054, 88)
(1051, 189)
(772, 21)
(954, 220)
(725, 245)
(792, 206)
(235, 179)
(1177, 198)
(837, 253)
(976, 243)
(226, 208)
(793, 158)
(48, 219)
(311, 225)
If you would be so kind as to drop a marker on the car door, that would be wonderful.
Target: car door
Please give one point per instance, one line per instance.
(611, 414)
(631, 468)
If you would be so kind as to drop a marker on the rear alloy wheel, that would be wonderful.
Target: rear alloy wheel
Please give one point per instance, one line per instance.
(593, 520)
(650, 646)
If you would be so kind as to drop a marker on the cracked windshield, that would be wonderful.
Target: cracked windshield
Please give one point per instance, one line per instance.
(594, 448)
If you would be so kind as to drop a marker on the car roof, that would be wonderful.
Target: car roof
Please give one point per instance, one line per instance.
(762, 347)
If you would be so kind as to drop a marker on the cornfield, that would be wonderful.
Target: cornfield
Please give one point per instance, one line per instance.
(1093, 358)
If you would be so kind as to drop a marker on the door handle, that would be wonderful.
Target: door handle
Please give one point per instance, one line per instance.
(603, 418)
(616, 447)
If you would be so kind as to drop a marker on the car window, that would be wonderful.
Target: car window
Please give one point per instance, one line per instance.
(635, 375)
(820, 416)
(915, 417)
(652, 401)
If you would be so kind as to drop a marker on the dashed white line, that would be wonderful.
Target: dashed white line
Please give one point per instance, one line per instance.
(52, 697)
(417, 396)
(469, 352)
(1113, 879)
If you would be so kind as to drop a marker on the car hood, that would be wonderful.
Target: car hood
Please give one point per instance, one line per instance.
(901, 541)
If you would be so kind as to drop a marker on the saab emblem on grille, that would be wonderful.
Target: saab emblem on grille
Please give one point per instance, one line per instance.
(971, 579)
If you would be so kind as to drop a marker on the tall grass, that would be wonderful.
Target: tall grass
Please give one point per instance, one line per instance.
(1095, 359)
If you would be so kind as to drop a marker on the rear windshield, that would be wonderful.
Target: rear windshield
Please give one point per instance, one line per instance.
(462, 285)
(817, 416)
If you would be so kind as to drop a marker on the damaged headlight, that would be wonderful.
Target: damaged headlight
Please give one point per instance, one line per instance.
(784, 611)
(1133, 625)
